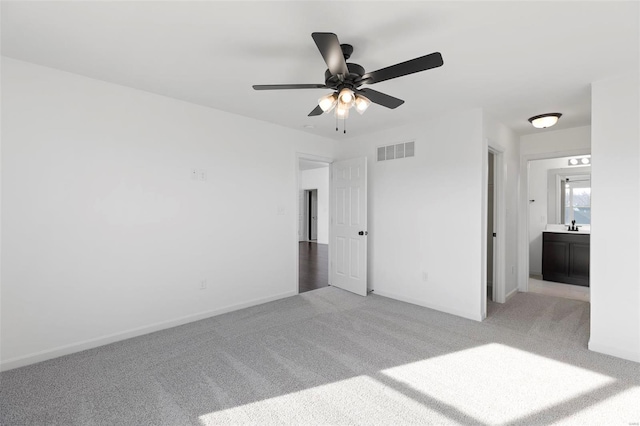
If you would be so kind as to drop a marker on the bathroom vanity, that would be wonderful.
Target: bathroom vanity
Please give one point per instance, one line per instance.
(565, 257)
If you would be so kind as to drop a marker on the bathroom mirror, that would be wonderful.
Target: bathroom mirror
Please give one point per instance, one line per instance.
(569, 196)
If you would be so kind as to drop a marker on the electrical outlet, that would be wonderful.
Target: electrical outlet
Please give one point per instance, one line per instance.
(203, 284)
(194, 174)
(202, 175)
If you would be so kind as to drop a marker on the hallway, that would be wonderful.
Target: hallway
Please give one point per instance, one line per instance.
(313, 266)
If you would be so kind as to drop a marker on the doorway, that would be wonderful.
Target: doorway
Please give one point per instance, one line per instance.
(311, 214)
(313, 223)
(491, 229)
(559, 197)
(494, 221)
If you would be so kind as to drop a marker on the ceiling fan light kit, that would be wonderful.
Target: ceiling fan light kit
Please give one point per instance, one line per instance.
(362, 104)
(342, 111)
(346, 78)
(346, 97)
(327, 102)
(543, 121)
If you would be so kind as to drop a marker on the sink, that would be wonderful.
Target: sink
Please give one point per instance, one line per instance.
(584, 229)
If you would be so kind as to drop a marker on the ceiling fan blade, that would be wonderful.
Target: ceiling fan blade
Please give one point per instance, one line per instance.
(288, 86)
(316, 111)
(422, 63)
(380, 98)
(330, 49)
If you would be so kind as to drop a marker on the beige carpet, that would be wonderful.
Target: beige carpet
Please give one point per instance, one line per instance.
(330, 357)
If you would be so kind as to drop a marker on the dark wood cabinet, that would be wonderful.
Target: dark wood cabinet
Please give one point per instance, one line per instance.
(565, 258)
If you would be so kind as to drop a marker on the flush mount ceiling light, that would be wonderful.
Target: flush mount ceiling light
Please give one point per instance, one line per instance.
(545, 120)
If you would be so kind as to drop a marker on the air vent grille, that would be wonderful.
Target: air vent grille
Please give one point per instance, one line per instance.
(396, 151)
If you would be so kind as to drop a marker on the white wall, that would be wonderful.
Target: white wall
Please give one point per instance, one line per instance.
(502, 138)
(317, 179)
(546, 141)
(105, 234)
(615, 231)
(424, 213)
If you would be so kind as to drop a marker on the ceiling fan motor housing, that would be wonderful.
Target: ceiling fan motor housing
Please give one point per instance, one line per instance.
(355, 72)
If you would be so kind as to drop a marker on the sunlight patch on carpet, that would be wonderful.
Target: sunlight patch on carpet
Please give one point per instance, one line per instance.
(495, 383)
(347, 401)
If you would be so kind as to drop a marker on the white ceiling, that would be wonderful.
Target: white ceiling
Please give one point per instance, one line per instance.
(514, 59)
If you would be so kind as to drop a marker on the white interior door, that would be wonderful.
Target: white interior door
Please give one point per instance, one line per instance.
(349, 225)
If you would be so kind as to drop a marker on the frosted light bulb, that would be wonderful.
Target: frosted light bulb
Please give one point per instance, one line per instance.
(347, 97)
(327, 102)
(342, 111)
(362, 103)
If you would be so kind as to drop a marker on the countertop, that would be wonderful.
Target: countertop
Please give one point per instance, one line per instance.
(568, 232)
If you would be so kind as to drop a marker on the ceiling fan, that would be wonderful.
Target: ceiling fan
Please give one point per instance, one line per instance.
(346, 78)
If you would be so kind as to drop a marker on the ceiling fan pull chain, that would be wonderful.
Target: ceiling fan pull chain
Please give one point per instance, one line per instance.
(344, 126)
(336, 123)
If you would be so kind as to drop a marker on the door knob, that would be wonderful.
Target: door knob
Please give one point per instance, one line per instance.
(363, 233)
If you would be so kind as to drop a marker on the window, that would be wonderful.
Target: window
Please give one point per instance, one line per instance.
(577, 200)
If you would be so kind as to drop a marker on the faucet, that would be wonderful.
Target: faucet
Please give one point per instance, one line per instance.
(573, 226)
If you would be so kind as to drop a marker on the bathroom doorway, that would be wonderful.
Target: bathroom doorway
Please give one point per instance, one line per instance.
(559, 192)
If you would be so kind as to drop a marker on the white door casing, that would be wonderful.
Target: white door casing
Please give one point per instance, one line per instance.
(348, 225)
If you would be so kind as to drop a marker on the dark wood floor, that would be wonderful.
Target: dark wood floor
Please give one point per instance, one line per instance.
(314, 266)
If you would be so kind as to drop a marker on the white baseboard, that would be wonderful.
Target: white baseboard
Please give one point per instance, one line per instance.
(617, 352)
(455, 312)
(510, 294)
(33, 358)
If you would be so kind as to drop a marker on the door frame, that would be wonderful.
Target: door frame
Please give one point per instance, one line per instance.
(523, 208)
(499, 224)
(296, 217)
